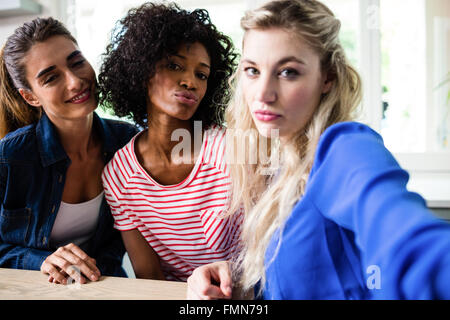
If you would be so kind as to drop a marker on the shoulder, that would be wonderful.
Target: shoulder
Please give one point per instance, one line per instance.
(123, 160)
(214, 147)
(19, 144)
(121, 128)
(215, 130)
(215, 137)
(352, 144)
(115, 133)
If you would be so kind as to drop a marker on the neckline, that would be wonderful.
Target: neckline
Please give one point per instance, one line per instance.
(96, 199)
(179, 185)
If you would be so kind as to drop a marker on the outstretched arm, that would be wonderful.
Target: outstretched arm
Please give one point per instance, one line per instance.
(357, 183)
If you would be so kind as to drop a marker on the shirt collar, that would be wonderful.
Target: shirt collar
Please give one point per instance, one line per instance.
(50, 147)
(107, 136)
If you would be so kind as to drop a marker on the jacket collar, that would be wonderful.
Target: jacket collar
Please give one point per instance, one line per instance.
(50, 147)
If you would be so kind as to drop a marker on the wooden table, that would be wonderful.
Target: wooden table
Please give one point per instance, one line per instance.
(33, 285)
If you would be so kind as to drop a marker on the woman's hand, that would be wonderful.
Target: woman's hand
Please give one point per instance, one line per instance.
(211, 281)
(70, 261)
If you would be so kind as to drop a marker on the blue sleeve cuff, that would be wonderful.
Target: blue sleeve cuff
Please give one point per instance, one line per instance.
(34, 258)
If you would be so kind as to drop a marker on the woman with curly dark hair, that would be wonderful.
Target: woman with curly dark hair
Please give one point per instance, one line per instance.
(168, 69)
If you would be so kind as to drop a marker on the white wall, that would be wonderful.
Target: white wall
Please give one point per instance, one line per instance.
(54, 8)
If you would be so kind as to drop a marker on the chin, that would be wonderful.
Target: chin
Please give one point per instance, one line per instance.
(269, 131)
(87, 110)
(183, 116)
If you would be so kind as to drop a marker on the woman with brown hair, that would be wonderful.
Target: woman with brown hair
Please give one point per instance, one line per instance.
(53, 214)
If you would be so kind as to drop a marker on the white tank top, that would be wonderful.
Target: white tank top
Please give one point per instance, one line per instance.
(76, 223)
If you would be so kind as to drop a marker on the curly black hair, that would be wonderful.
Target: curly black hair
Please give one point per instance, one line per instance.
(147, 35)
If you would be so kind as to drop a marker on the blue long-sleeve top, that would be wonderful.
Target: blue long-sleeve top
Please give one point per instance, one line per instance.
(358, 233)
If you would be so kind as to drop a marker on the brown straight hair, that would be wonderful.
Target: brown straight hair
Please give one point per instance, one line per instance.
(14, 111)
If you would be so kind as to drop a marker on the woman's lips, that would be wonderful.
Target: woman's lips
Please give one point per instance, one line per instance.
(186, 98)
(266, 116)
(81, 97)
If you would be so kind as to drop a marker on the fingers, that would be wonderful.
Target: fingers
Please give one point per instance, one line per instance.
(54, 274)
(51, 279)
(225, 281)
(65, 260)
(70, 261)
(86, 261)
(81, 260)
(212, 281)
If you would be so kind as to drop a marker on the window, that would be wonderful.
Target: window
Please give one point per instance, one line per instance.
(404, 59)
(403, 75)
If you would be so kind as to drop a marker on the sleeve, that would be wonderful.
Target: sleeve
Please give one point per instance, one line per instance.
(18, 257)
(356, 182)
(13, 255)
(113, 179)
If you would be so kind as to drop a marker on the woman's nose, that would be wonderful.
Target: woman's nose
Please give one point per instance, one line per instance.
(74, 83)
(266, 91)
(187, 81)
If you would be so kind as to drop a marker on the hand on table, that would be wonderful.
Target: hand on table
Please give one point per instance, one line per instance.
(70, 261)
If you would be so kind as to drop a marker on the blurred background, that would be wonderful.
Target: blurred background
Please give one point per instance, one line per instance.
(400, 47)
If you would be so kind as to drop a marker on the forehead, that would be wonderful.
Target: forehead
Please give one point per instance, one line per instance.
(271, 45)
(195, 51)
(52, 51)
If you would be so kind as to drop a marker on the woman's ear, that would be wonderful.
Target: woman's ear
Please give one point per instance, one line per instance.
(29, 97)
(328, 83)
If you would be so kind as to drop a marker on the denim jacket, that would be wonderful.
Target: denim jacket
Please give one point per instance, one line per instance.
(33, 166)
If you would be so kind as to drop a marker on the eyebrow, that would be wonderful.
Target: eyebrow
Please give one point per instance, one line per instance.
(282, 61)
(184, 58)
(46, 70)
(51, 68)
(73, 55)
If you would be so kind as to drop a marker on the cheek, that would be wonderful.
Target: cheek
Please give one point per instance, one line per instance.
(87, 74)
(203, 89)
(156, 87)
(301, 100)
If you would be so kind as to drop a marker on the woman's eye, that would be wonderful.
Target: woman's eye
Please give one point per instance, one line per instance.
(251, 72)
(50, 79)
(202, 76)
(78, 63)
(289, 73)
(174, 66)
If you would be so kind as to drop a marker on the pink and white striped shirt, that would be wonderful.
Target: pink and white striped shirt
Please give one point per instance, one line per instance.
(180, 222)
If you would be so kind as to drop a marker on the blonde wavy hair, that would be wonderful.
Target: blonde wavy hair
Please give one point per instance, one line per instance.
(268, 200)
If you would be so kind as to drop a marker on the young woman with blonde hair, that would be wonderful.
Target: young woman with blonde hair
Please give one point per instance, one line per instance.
(335, 221)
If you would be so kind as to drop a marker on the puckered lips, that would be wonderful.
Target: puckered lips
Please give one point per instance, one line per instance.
(186, 97)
